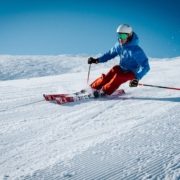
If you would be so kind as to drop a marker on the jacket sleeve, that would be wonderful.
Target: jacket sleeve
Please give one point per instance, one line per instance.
(108, 55)
(143, 63)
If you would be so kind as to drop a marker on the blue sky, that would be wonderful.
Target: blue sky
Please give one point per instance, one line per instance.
(52, 27)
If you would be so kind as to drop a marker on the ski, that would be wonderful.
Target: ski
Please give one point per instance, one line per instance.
(68, 99)
(78, 96)
(52, 97)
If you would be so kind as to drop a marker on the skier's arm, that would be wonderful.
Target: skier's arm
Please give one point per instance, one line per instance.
(108, 55)
(144, 68)
(143, 63)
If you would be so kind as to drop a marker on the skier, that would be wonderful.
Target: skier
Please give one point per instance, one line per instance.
(133, 63)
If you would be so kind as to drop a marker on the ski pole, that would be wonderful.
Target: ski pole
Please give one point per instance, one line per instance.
(88, 73)
(149, 85)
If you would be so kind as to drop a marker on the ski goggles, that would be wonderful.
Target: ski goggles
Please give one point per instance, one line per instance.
(122, 36)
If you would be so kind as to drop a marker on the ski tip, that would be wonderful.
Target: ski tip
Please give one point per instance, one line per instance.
(123, 91)
(46, 97)
(119, 92)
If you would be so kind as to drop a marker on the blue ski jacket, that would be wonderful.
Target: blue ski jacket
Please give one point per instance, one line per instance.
(132, 57)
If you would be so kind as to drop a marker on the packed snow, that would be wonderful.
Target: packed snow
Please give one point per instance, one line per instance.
(134, 136)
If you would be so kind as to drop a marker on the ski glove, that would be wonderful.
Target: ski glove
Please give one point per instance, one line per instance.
(92, 60)
(133, 83)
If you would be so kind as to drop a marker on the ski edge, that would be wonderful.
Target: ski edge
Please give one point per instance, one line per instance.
(75, 97)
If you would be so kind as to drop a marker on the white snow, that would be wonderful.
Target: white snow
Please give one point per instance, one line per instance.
(136, 136)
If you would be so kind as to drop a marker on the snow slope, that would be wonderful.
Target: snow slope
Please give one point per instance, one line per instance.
(135, 136)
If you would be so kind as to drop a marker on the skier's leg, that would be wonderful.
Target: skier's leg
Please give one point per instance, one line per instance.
(104, 79)
(116, 81)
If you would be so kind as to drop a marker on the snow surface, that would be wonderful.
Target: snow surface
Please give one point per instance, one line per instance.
(136, 136)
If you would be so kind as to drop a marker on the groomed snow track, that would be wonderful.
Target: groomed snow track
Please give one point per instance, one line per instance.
(135, 136)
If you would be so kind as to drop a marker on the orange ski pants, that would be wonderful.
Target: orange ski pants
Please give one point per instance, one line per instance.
(112, 80)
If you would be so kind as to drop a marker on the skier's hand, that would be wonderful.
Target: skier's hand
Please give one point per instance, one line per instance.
(92, 60)
(133, 83)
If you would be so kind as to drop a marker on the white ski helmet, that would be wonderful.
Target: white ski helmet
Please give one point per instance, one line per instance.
(124, 28)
